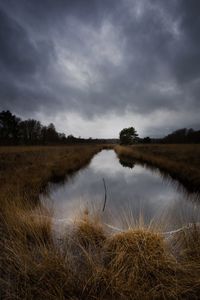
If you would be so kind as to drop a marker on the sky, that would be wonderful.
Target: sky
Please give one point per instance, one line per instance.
(93, 67)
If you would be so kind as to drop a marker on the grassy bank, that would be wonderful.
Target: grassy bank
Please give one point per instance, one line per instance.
(25, 171)
(181, 162)
(89, 262)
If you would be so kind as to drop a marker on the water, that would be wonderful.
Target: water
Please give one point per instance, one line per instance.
(132, 191)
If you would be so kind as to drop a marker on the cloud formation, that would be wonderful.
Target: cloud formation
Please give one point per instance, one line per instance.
(95, 66)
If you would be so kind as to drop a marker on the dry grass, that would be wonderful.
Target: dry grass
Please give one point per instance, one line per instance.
(141, 266)
(89, 262)
(182, 162)
(25, 171)
(32, 267)
(93, 264)
(26, 242)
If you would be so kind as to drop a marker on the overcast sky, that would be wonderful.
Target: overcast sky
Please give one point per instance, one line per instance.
(93, 67)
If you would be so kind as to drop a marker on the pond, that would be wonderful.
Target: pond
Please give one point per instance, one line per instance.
(132, 191)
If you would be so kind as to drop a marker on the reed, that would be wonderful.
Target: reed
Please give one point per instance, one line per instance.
(95, 264)
(181, 162)
(26, 171)
(89, 261)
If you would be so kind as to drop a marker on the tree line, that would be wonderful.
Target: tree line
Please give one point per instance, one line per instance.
(14, 131)
(129, 136)
(183, 136)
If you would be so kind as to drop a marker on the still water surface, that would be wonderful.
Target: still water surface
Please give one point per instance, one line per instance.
(132, 191)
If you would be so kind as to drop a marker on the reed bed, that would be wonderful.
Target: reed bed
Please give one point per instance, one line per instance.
(92, 263)
(26, 171)
(181, 162)
(89, 261)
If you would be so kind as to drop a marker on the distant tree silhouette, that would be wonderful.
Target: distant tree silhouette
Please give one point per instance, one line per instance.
(14, 131)
(30, 131)
(146, 140)
(183, 135)
(128, 136)
(9, 127)
(71, 138)
(52, 134)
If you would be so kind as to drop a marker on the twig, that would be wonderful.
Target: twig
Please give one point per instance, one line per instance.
(186, 227)
(105, 197)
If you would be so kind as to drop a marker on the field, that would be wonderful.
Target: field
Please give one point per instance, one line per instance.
(90, 262)
(181, 161)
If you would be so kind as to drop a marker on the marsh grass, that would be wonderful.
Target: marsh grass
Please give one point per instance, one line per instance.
(95, 264)
(90, 262)
(29, 260)
(26, 171)
(181, 162)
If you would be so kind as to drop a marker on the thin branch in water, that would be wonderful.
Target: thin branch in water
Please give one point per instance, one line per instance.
(105, 197)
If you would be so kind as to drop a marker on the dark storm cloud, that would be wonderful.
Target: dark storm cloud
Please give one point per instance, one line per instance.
(97, 58)
(187, 59)
(18, 54)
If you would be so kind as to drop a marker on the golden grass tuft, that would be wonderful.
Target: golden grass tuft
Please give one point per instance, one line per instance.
(85, 246)
(188, 241)
(32, 266)
(89, 233)
(187, 251)
(140, 265)
(94, 264)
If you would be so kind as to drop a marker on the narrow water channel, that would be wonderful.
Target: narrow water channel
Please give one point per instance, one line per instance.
(132, 191)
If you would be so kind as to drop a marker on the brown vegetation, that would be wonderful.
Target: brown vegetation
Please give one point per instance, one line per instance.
(181, 162)
(93, 264)
(24, 174)
(25, 171)
(89, 262)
